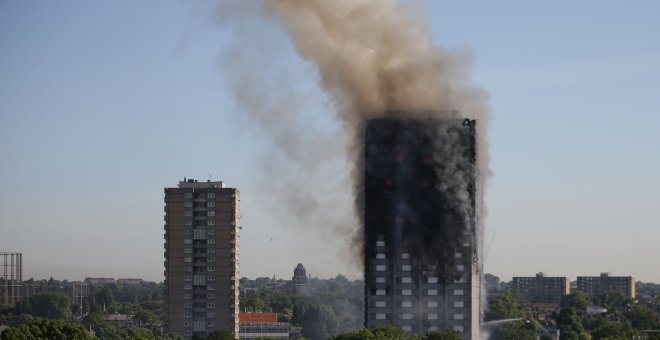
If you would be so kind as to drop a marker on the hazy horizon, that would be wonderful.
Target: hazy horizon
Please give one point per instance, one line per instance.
(103, 105)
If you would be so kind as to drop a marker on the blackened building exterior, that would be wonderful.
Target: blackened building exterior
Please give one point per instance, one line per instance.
(421, 237)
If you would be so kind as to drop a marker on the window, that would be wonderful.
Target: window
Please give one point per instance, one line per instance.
(210, 315)
(187, 259)
(406, 279)
(432, 304)
(210, 213)
(187, 241)
(380, 316)
(210, 305)
(187, 268)
(187, 250)
(406, 268)
(380, 279)
(406, 304)
(211, 204)
(459, 329)
(210, 241)
(459, 280)
(187, 231)
(187, 213)
(187, 305)
(433, 328)
(380, 256)
(381, 268)
(187, 287)
(211, 250)
(187, 204)
(407, 328)
(187, 296)
(187, 195)
(211, 277)
(200, 234)
(187, 222)
(210, 259)
(433, 316)
(432, 292)
(459, 317)
(458, 292)
(405, 316)
(211, 269)
(381, 304)
(211, 232)
(380, 291)
(211, 195)
(186, 324)
(405, 256)
(459, 304)
(211, 296)
(460, 267)
(458, 255)
(187, 332)
(210, 222)
(187, 315)
(380, 243)
(406, 292)
(210, 287)
(433, 279)
(187, 278)
(198, 326)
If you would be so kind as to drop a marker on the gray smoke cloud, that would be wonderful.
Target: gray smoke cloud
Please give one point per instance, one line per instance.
(373, 59)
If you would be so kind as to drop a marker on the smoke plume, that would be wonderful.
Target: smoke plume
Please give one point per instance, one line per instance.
(374, 59)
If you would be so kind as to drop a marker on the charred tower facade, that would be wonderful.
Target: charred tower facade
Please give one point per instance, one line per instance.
(421, 234)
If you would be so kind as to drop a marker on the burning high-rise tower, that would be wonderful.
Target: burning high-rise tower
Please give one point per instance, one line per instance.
(421, 234)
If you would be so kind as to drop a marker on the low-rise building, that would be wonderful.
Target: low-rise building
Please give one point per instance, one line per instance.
(99, 280)
(262, 325)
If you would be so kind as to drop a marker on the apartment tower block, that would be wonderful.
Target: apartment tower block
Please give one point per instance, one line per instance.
(202, 224)
(421, 243)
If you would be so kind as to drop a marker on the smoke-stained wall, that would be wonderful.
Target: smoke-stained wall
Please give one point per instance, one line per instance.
(421, 241)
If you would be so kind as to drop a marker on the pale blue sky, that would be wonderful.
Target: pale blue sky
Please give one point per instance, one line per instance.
(103, 104)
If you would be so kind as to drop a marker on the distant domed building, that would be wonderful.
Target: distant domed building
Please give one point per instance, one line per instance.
(299, 279)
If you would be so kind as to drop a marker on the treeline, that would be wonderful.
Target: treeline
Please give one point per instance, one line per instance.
(620, 318)
(49, 310)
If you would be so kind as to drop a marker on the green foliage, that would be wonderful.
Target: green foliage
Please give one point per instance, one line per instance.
(220, 334)
(387, 332)
(613, 331)
(51, 305)
(507, 305)
(492, 283)
(47, 329)
(516, 330)
(577, 300)
(319, 322)
(569, 324)
(449, 334)
(641, 317)
(615, 302)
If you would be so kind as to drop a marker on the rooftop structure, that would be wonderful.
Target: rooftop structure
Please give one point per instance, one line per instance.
(598, 285)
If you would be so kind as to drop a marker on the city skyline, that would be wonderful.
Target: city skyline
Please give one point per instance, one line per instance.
(100, 105)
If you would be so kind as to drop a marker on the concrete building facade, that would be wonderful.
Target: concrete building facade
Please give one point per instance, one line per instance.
(421, 243)
(202, 236)
(598, 285)
(542, 289)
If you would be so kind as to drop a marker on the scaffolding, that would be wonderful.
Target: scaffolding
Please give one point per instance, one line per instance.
(78, 292)
(12, 277)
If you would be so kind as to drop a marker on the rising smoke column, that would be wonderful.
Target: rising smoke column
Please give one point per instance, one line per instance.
(375, 59)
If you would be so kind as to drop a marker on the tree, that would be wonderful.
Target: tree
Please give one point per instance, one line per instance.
(507, 305)
(569, 324)
(220, 334)
(449, 334)
(319, 322)
(51, 305)
(47, 329)
(578, 300)
(492, 283)
(641, 317)
(518, 330)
